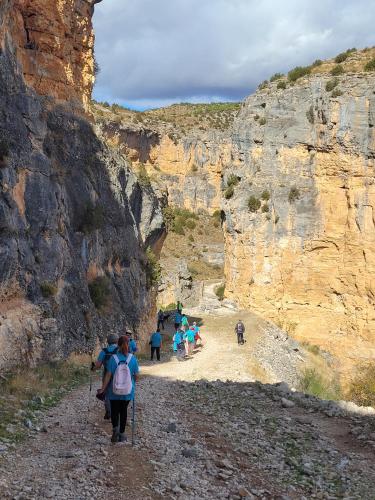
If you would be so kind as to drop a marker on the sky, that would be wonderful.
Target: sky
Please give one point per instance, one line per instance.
(153, 53)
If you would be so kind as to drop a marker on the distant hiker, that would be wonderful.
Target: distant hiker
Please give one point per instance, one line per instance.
(190, 340)
(240, 330)
(177, 320)
(161, 318)
(155, 343)
(119, 383)
(179, 307)
(132, 343)
(184, 323)
(196, 333)
(177, 341)
(103, 361)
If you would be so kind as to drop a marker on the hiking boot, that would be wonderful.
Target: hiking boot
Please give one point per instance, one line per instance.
(115, 435)
(122, 438)
(107, 416)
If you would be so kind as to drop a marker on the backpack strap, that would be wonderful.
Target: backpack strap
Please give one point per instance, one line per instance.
(115, 357)
(128, 359)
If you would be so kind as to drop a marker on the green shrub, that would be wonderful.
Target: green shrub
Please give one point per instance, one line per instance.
(256, 117)
(370, 66)
(341, 57)
(217, 214)
(298, 72)
(176, 219)
(276, 76)
(92, 219)
(331, 84)
(277, 218)
(310, 114)
(191, 238)
(190, 224)
(170, 307)
(294, 194)
(48, 289)
(281, 85)
(220, 291)
(268, 217)
(362, 388)
(153, 269)
(254, 204)
(263, 85)
(265, 195)
(262, 121)
(233, 180)
(99, 290)
(313, 382)
(265, 208)
(229, 192)
(194, 168)
(316, 63)
(143, 177)
(337, 70)
(336, 93)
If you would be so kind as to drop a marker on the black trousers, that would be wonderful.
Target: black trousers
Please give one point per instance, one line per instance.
(157, 349)
(161, 322)
(240, 337)
(119, 412)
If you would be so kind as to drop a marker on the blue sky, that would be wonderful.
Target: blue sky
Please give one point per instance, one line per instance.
(156, 52)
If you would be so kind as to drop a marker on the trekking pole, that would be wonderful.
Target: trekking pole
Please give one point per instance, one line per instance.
(90, 390)
(133, 420)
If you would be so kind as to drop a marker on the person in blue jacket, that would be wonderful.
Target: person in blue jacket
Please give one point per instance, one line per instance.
(155, 343)
(132, 343)
(102, 362)
(120, 403)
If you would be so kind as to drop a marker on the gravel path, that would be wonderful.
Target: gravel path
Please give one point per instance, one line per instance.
(206, 429)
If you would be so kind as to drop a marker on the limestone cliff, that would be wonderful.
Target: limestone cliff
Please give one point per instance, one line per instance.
(74, 220)
(52, 43)
(300, 226)
(183, 148)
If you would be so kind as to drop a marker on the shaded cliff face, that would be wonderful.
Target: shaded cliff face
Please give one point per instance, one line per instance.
(74, 225)
(183, 161)
(305, 255)
(52, 43)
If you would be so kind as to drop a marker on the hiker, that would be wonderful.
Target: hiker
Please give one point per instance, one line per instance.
(161, 318)
(179, 307)
(103, 360)
(119, 383)
(155, 343)
(240, 330)
(189, 342)
(184, 323)
(132, 343)
(177, 341)
(196, 333)
(177, 320)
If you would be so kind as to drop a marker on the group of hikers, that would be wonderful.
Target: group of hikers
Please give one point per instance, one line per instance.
(120, 365)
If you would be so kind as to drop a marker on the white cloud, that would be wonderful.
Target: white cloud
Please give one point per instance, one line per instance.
(154, 52)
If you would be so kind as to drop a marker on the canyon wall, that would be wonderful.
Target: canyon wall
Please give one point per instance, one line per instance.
(74, 220)
(185, 167)
(304, 255)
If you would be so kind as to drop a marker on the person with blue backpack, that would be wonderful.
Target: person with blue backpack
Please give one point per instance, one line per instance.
(119, 383)
(102, 362)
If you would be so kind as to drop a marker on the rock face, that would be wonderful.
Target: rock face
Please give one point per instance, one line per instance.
(305, 257)
(186, 167)
(71, 211)
(52, 42)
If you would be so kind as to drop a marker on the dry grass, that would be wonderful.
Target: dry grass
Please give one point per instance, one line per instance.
(39, 388)
(362, 387)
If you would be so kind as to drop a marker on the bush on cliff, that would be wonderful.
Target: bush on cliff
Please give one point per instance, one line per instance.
(331, 84)
(337, 70)
(362, 387)
(229, 192)
(336, 93)
(177, 219)
(99, 290)
(233, 180)
(48, 289)
(262, 121)
(265, 195)
(276, 76)
(220, 291)
(298, 72)
(92, 219)
(370, 66)
(281, 85)
(152, 268)
(254, 204)
(294, 194)
(313, 382)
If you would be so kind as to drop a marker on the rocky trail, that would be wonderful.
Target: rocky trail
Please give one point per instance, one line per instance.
(205, 429)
